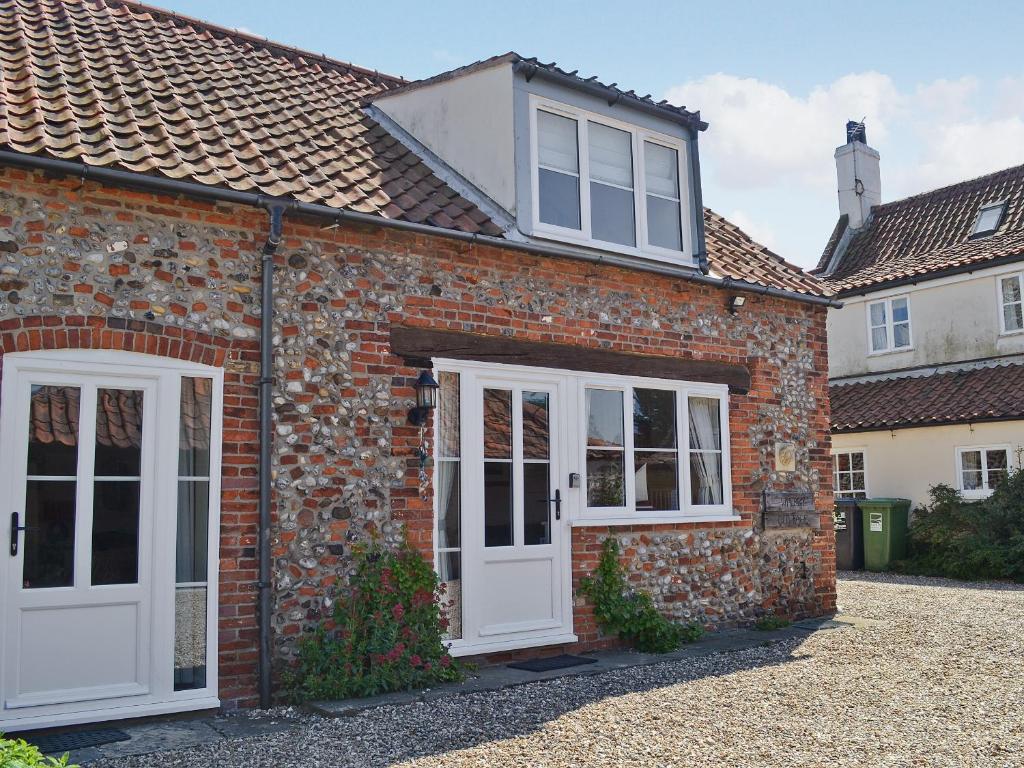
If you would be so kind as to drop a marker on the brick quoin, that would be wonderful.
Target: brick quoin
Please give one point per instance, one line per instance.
(237, 631)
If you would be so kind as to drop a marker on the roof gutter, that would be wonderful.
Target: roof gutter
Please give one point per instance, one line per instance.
(164, 185)
(964, 269)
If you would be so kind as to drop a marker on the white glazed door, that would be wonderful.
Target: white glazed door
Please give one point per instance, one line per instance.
(77, 613)
(515, 515)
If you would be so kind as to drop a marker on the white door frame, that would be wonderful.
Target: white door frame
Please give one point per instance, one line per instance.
(161, 378)
(473, 376)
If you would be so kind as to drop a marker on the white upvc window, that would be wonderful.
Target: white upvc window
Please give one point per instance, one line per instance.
(889, 325)
(980, 468)
(608, 184)
(654, 451)
(849, 474)
(1011, 309)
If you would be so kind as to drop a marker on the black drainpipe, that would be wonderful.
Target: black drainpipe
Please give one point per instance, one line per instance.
(266, 435)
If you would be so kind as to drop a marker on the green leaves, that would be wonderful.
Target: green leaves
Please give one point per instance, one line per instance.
(631, 615)
(18, 753)
(385, 635)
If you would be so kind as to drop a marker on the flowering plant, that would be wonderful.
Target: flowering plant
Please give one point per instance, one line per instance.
(386, 634)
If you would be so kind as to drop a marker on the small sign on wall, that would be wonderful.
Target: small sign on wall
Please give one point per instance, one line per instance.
(789, 509)
(785, 457)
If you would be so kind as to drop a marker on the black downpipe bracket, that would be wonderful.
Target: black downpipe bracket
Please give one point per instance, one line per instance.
(266, 435)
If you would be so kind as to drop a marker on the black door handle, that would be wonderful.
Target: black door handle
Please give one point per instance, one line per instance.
(15, 530)
(557, 501)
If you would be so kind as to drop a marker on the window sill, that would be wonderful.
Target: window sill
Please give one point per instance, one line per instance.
(655, 520)
(884, 352)
(562, 235)
(1011, 333)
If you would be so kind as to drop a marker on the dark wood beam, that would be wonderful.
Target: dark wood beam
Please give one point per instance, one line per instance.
(419, 346)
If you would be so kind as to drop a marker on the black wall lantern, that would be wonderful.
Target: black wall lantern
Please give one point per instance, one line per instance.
(426, 398)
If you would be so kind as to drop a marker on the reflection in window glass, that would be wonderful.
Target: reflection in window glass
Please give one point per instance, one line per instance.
(497, 424)
(849, 475)
(535, 425)
(191, 555)
(661, 169)
(604, 418)
(1013, 308)
(612, 217)
(558, 170)
(705, 451)
(497, 503)
(983, 469)
(606, 479)
(448, 488)
(536, 504)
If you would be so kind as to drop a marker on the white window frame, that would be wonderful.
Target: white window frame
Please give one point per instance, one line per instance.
(889, 337)
(1001, 305)
(165, 374)
(628, 514)
(638, 136)
(985, 491)
(836, 472)
(998, 204)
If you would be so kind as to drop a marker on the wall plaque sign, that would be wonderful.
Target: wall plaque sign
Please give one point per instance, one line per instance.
(789, 509)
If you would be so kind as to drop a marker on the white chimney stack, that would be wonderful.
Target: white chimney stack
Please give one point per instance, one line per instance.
(860, 180)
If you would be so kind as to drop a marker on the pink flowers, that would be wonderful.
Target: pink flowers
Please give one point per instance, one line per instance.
(446, 661)
(415, 660)
(398, 612)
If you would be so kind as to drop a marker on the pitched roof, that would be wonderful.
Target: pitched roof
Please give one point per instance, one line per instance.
(123, 85)
(977, 394)
(930, 233)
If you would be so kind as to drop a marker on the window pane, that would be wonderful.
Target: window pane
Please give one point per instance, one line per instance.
(194, 427)
(498, 424)
(996, 478)
(611, 155)
(995, 459)
(450, 575)
(448, 428)
(970, 460)
(605, 479)
(878, 313)
(535, 425)
(190, 637)
(1011, 289)
(972, 480)
(900, 311)
(657, 486)
(661, 167)
(559, 198)
(612, 218)
(53, 431)
(557, 142)
(705, 423)
(536, 504)
(664, 228)
(845, 482)
(604, 417)
(988, 218)
(448, 506)
(192, 530)
(858, 481)
(878, 339)
(843, 462)
(115, 532)
(654, 418)
(857, 461)
(706, 478)
(1013, 317)
(901, 335)
(118, 432)
(49, 542)
(497, 504)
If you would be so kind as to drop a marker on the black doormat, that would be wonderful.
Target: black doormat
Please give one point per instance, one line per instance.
(59, 743)
(548, 663)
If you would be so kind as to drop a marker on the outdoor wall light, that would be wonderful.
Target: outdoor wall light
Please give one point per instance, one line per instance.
(735, 302)
(426, 398)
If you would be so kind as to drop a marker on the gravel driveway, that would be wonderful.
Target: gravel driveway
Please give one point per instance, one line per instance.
(939, 681)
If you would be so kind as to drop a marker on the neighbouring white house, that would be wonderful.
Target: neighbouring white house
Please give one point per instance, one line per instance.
(926, 355)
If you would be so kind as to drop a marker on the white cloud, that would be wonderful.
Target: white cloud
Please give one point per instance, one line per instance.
(768, 154)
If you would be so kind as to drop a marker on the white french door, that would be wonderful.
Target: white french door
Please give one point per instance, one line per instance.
(515, 536)
(105, 588)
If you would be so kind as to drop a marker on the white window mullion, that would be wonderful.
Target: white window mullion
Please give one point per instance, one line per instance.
(629, 463)
(683, 441)
(584, 154)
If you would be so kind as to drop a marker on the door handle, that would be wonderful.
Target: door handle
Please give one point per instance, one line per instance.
(15, 530)
(557, 501)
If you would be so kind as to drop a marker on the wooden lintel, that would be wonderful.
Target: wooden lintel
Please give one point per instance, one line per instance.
(417, 345)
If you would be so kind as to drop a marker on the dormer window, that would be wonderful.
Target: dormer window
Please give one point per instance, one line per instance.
(989, 218)
(607, 184)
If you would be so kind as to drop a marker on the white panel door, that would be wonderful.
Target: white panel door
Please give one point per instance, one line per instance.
(516, 529)
(78, 605)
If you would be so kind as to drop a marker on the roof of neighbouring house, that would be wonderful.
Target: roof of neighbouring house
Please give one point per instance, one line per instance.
(127, 86)
(927, 235)
(988, 393)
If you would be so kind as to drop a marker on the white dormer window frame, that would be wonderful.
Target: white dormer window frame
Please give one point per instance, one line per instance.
(883, 325)
(1010, 300)
(640, 139)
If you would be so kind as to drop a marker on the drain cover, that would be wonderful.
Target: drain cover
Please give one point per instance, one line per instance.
(58, 743)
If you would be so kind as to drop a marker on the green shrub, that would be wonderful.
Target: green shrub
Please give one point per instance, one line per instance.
(18, 753)
(628, 614)
(970, 540)
(770, 622)
(386, 634)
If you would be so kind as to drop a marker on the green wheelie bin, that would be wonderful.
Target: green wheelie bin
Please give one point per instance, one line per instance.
(885, 531)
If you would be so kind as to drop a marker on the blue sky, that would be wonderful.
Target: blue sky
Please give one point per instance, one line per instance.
(941, 84)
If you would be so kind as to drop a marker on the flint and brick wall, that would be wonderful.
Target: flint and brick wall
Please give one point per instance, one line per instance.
(344, 456)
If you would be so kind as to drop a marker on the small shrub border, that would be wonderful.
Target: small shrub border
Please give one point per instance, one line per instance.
(387, 632)
(631, 614)
(18, 753)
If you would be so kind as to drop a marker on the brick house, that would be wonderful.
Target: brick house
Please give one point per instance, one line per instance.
(610, 344)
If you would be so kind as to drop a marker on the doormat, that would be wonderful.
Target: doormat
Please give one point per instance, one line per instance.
(549, 663)
(59, 743)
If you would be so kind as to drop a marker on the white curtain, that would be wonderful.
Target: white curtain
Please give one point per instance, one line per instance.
(703, 424)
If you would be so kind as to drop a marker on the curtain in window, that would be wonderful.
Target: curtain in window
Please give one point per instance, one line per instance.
(704, 448)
